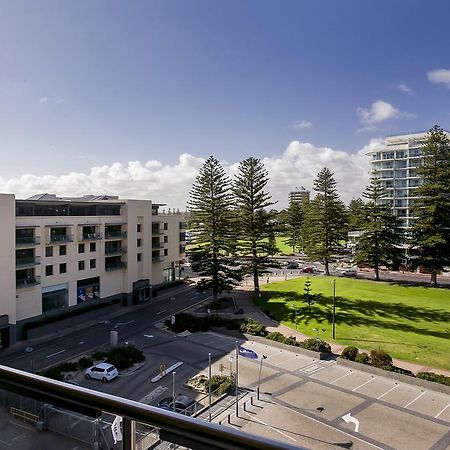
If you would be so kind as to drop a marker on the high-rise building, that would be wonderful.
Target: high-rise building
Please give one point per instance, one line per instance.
(59, 253)
(396, 165)
(300, 195)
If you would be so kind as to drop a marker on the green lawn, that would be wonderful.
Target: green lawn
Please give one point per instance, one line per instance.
(410, 323)
(283, 248)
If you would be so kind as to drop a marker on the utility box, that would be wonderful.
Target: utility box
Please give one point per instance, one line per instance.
(113, 338)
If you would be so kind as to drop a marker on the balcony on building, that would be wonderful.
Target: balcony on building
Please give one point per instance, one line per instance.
(27, 278)
(157, 229)
(114, 248)
(74, 417)
(115, 232)
(26, 237)
(156, 243)
(60, 234)
(27, 258)
(90, 233)
(114, 263)
(156, 256)
(183, 225)
(183, 236)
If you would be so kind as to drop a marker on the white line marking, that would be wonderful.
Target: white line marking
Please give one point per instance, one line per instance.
(387, 392)
(361, 385)
(340, 378)
(54, 354)
(163, 311)
(438, 414)
(274, 429)
(417, 398)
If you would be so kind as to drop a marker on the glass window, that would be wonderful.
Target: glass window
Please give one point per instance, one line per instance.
(92, 263)
(63, 268)
(139, 228)
(62, 250)
(48, 271)
(139, 256)
(80, 265)
(166, 225)
(80, 248)
(48, 252)
(166, 252)
(55, 300)
(166, 239)
(92, 246)
(139, 242)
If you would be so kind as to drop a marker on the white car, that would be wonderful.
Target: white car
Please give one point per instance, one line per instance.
(103, 371)
(349, 273)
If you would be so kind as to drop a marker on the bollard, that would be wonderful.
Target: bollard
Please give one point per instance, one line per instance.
(228, 419)
(251, 401)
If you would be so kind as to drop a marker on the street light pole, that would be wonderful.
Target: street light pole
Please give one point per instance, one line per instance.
(334, 309)
(173, 390)
(209, 384)
(296, 325)
(263, 357)
(236, 378)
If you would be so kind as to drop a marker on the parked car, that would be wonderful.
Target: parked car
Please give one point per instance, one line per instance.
(183, 404)
(349, 273)
(292, 265)
(102, 371)
(308, 269)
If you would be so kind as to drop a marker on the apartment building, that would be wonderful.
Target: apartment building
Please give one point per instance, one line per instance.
(58, 253)
(396, 164)
(300, 195)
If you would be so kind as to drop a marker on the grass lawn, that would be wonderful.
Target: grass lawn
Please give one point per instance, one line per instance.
(283, 248)
(410, 323)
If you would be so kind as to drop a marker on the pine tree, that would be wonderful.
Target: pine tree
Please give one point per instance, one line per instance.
(431, 230)
(292, 218)
(211, 221)
(254, 223)
(380, 241)
(307, 296)
(356, 214)
(325, 220)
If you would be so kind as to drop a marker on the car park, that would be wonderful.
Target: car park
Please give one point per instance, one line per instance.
(183, 404)
(308, 270)
(349, 273)
(102, 371)
(292, 265)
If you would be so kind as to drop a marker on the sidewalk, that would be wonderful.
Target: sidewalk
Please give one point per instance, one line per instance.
(243, 298)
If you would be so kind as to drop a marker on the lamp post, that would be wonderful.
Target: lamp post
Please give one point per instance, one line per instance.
(173, 390)
(231, 365)
(296, 324)
(209, 384)
(263, 357)
(236, 379)
(334, 310)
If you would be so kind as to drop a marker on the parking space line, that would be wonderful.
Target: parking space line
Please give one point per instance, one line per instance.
(340, 378)
(273, 428)
(417, 398)
(439, 413)
(286, 360)
(389, 390)
(361, 385)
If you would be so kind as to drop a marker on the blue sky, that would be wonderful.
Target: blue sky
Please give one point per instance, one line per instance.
(92, 83)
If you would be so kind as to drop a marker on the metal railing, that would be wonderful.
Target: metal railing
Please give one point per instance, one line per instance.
(28, 241)
(28, 282)
(157, 245)
(115, 234)
(92, 236)
(28, 261)
(61, 238)
(175, 428)
(115, 250)
(116, 266)
(157, 258)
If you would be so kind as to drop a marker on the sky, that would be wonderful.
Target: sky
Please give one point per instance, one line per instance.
(129, 98)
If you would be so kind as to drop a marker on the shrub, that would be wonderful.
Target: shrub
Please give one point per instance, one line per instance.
(233, 324)
(381, 359)
(184, 321)
(254, 328)
(97, 356)
(350, 353)
(317, 345)
(84, 362)
(124, 357)
(363, 358)
(276, 336)
(434, 377)
(119, 360)
(220, 384)
(54, 373)
(68, 367)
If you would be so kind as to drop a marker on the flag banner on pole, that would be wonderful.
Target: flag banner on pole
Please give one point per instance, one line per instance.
(115, 429)
(247, 353)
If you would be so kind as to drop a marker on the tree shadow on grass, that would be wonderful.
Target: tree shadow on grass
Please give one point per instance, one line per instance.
(356, 312)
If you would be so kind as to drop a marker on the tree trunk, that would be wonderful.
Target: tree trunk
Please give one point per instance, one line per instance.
(377, 273)
(255, 271)
(327, 268)
(433, 279)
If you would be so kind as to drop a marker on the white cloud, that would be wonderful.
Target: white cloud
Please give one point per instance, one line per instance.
(404, 88)
(301, 124)
(297, 165)
(51, 100)
(439, 76)
(43, 100)
(378, 112)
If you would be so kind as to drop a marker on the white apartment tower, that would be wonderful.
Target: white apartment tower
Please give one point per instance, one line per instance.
(300, 195)
(60, 253)
(396, 165)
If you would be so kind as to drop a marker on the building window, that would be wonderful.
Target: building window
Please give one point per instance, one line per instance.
(139, 256)
(139, 228)
(166, 226)
(92, 263)
(80, 248)
(63, 268)
(139, 242)
(62, 250)
(166, 252)
(80, 265)
(92, 246)
(48, 271)
(48, 252)
(166, 239)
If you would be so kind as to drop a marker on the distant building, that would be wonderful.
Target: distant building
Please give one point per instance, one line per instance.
(396, 165)
(299, 195)
(60, 253)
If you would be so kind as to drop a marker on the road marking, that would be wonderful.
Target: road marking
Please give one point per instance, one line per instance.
(343, 376)
(349, 418)
(124, 323)
(153, 394)
(273, 428)
(387, 392)
(163, 311)
(81, 343)
(361, 385)
(417, 398)
(438, 414)
(54, 354)
(148, 335)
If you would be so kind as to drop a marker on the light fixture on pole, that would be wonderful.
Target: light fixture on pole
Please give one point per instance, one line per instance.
(296, 324)
(231, 365)
(173, 390)
(236, 379)
(334, 310)
(263, 357)
(209, 383)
